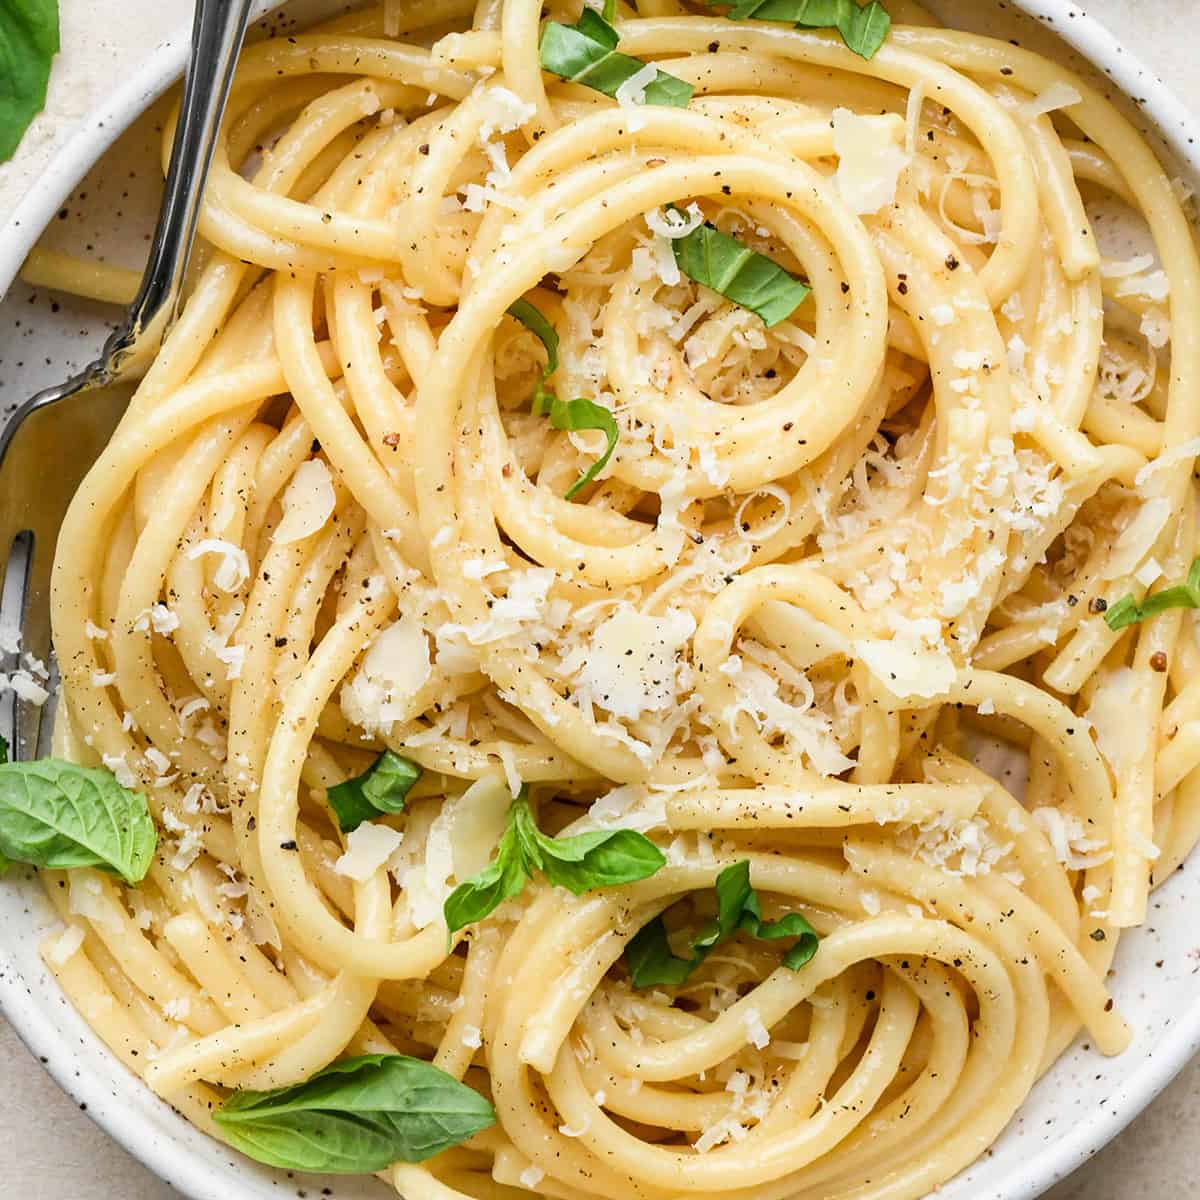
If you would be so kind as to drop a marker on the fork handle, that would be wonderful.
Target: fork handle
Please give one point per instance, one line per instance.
(218, 28)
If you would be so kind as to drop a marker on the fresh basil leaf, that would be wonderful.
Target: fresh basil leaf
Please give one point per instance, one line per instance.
(585, 414)
(28, 43)
(60, 815)
(502, 879)
(356, 1116)
(651, 962)
(749, 279)
(586, 53)
(863, 29)
(734, 893)
(599, 860)
(565, 414)
(535, 321)
(1127, 611)
(381, 788)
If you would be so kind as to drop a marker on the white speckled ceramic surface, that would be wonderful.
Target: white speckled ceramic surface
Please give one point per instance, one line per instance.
(52, 1152)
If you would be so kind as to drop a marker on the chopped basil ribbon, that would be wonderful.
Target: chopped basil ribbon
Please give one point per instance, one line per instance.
(60, 815)
(28, 43)
(738, 273)
(1127, 611)
(381, 788)
(586, 53)
(565, 414)
(651, 962)
(585, 414)
(356, 1116)
(601, 859)
(533, 319)
(864, 29)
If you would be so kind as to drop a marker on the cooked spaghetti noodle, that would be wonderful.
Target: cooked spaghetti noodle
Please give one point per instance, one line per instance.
(830, 563)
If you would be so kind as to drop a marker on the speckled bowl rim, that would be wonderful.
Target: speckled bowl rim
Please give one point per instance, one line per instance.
(189, 1167)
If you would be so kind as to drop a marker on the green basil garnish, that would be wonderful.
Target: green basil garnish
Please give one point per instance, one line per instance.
(565, 414)
(601, 859)
(749, 279)
(381, 788)
(863, 29)
(28, 43)
(585, 414)
(652, 963)
(1127, 611)
(356, 1116)
(586, 53)
(60, 815)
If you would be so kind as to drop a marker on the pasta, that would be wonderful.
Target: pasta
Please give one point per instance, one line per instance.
(840, 563)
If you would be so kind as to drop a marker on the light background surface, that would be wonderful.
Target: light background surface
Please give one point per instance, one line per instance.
(52, 1151)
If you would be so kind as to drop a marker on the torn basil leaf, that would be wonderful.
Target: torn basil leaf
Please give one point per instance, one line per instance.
(381, 788)
(864, 29)
(535, 321)
(585, 414)
(29, 40)
(584, 863)
(59, 815)
(652, 963)
(356, 1116)
(1127, 611)
(586, 53)
(565, 414)
(742, 275)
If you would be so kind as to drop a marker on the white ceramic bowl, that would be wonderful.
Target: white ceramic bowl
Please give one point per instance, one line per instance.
(1081, 1104)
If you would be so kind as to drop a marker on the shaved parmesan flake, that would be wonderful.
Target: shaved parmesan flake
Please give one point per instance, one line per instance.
(631, 95)
(64, 946)
(85, 898)
(367, 849)
(1057, 95)
(631, 666)
(308, 502)
(869, 162)
(1138, 538)
(475, 822)
(95, 632)
(1121, 269)
(905, 667)
(1177, 454)
(234, 568)
(393, 671)
(472, 1037)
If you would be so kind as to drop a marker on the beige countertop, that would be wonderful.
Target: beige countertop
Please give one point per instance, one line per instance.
(53, 1152)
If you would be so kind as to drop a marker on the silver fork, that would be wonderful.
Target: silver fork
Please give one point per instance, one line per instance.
(55, 437)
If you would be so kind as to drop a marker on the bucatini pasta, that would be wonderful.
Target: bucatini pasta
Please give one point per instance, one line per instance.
(854, 451)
